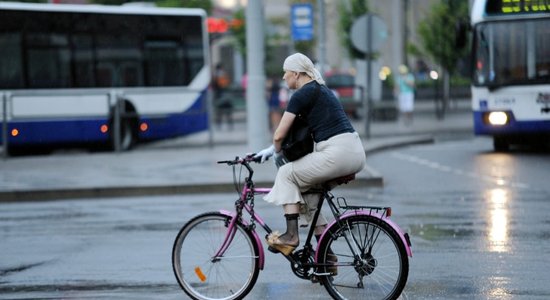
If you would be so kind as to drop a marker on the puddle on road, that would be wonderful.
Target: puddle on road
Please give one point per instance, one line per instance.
(436, 232)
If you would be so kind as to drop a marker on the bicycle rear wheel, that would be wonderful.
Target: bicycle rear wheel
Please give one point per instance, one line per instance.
(200, 273)
(378, 271)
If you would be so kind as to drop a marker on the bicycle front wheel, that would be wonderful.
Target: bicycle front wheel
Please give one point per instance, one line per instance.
(205, 273)
(366, 259)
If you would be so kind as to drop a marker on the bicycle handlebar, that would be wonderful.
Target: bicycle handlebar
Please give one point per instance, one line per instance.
(241, 160)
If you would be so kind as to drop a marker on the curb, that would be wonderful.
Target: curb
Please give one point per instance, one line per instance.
(115, 192)
(396, 142)
(373, 179)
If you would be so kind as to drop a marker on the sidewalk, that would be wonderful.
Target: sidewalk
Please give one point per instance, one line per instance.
(188, 164)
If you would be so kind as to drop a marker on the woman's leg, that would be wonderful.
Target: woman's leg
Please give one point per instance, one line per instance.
(291, 236)
(288, 241)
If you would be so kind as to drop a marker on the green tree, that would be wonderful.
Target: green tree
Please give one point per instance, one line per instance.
(349, 11)
(239, 30)
(437, 36)
(273, 40)
(206, 5)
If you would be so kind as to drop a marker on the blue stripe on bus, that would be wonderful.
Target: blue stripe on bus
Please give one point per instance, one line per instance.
(88, 131)
(194, 119)
(43, 132)
(54, 132)
(514, 127)
(173, 125)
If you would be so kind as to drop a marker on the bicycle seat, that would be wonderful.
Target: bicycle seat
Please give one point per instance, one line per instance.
(330, 184)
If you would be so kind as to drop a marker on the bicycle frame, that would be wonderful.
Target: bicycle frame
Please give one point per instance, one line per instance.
(249, 191)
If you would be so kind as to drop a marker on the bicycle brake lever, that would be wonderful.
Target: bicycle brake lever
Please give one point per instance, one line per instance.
(256, 159)
(250, 157)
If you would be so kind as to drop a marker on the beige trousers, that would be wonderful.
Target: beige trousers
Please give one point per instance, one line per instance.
(338, 156)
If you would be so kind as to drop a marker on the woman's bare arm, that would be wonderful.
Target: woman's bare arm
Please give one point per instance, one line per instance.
(282, 129)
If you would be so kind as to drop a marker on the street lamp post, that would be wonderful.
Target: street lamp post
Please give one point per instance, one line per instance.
(256, 104)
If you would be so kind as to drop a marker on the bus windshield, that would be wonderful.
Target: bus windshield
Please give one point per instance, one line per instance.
(511, 53)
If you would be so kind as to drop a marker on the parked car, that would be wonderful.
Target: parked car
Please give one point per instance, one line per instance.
(343, 85)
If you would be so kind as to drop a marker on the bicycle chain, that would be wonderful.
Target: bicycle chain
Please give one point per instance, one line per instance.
(252, 224)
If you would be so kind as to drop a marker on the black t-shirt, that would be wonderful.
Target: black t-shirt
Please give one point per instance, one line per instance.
(326, 118)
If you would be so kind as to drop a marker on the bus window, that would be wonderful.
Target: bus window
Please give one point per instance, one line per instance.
(105, 75)
(511, 53)
(510, 57)
(130, 74)
(195, 55)
(164, 60)
(542, 32)
(48, 60)
(119, 52)
(83, 61)
(11, 75)
(482, 68)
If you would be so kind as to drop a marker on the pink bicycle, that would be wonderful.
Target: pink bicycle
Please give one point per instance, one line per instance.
(362, 254)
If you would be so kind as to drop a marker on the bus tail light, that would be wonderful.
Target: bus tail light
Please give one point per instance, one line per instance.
(104, 128)
(14, 132)
(143, 126)
(497, 118)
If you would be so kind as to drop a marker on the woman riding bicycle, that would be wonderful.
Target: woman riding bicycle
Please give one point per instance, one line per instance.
(338, 150)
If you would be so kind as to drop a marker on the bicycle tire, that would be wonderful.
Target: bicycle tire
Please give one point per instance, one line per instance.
(381, 273)
(202, 277)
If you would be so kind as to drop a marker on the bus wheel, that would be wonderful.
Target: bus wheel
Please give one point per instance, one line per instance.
(127, 135)
(500, 144)
(128, 129)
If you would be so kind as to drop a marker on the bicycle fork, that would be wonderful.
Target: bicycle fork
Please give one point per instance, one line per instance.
(231, 230)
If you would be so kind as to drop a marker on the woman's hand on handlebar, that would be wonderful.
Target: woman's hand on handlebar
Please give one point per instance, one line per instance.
(265, 154)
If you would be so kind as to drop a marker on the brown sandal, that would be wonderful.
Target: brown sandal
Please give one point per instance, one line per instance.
(276, 246)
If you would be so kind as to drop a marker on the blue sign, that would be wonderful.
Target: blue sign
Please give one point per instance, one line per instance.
(301, 19)
(483, 104)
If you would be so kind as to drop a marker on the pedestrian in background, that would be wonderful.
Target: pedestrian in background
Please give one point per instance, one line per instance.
(405, 94)
(274, 101)
(222, 101)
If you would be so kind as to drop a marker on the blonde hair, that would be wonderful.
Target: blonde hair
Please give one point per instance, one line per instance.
(403, 69)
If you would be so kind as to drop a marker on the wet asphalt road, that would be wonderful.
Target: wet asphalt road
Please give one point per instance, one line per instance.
(478, 221)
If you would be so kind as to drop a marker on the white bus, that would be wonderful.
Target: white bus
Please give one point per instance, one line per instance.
(64, 67)
(511, 71)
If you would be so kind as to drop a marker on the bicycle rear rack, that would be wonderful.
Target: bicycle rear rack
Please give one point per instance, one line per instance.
(384, 211)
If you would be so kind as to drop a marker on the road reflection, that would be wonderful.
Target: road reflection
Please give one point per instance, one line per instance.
(498, 220)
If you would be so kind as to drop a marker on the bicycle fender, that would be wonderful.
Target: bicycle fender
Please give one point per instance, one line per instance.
(254, 234)
(404, 236)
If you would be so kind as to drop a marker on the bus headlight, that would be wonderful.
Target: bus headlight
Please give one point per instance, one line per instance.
(497, 118)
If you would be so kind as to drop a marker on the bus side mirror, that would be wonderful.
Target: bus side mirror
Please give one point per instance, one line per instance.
(461, 32)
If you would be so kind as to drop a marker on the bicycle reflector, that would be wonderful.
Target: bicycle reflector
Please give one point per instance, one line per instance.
(200, 274)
